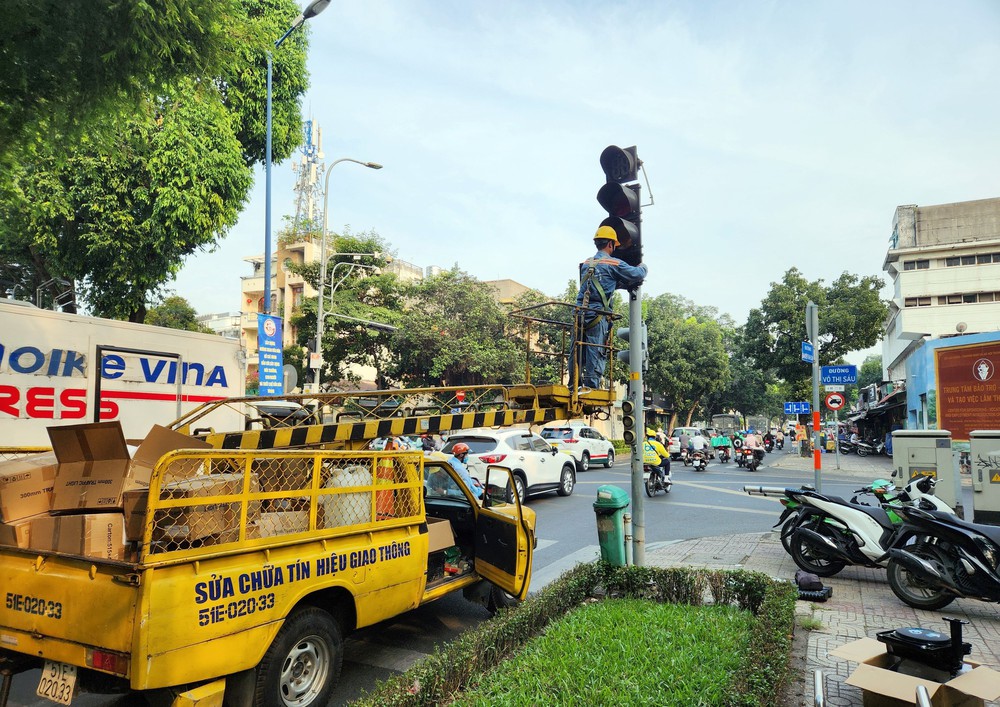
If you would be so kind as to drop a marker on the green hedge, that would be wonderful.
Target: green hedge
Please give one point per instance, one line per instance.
(621, 447)
(458, 664)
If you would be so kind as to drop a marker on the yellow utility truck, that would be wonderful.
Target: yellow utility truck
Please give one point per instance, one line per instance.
(235, 574)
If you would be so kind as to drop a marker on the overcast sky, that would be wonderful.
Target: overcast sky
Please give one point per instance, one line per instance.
(773, 134)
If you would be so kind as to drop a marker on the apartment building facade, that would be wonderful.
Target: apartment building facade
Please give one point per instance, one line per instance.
(944, 262)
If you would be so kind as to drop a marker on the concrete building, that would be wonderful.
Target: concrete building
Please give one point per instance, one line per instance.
(944, 262)
(226, 324)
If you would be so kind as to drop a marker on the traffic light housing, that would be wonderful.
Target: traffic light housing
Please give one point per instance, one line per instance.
(628, 421)
(625, 354)
(621, 199)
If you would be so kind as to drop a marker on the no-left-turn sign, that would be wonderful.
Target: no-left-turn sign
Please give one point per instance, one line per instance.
(835, 401)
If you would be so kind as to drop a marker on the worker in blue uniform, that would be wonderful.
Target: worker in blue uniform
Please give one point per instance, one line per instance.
(600, 276)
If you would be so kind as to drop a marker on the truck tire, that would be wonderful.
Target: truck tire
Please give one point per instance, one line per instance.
(302, 666)
(499, 599)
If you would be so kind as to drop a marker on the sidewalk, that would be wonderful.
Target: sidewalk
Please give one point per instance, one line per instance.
(862, 602)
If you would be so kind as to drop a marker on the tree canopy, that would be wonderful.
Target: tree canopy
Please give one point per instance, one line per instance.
(850, 319)
(175, 312)
(118, 216)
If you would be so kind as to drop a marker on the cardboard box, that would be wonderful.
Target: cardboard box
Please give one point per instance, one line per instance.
(887, 688)
(89, 534)
(93, 465)
(195, 522)
(158, 442)
(440, 535)
(275, 523)
(18, 533)
(26, 486)
(95, 468)
(134, 502)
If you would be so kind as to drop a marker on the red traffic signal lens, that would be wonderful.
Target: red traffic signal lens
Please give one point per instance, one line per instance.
(620, 165)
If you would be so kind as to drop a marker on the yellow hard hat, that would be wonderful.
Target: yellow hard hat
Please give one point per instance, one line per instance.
(650, 432)
(607, 233)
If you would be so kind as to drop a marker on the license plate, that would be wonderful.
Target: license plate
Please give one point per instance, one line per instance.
(57, 683)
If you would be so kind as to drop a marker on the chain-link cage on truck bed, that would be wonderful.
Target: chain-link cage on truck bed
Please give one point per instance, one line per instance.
(201, 500)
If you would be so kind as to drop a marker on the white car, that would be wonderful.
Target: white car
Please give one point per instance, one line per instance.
(537, 466)
(584, 444)
(675, 441)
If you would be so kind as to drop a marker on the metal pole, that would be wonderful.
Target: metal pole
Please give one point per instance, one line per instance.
(322, 260)
(267, 194)
(636, 393)
(836, 433)
(812, 313)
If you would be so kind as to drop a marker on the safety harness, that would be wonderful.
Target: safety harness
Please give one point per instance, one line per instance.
(589, 279)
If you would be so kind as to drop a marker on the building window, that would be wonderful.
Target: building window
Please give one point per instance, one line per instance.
(923, 264)
(968, 260)
(996, 257)
(909, 265)
(984, 258)
(969, 298)
(297, 297)
(985, 296)
(923, 301)
(910, 302)
(952, 262)
(954, 299)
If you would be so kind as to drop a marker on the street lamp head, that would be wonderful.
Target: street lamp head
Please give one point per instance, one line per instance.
(314, 8)
(373, 165)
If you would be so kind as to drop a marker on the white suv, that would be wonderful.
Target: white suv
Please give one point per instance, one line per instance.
(537, 466)
(584, 444)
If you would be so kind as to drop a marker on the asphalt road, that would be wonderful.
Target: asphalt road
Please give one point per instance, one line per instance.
(700, 504)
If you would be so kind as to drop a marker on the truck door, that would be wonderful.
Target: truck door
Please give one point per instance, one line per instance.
(504, 540)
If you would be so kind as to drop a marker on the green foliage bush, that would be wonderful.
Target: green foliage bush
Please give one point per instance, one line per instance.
(457, 665)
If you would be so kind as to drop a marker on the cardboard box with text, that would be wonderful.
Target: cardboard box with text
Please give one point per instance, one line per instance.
(26, 486)
(89, 534)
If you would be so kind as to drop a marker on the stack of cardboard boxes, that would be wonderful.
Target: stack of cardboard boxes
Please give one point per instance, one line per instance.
(88, 496)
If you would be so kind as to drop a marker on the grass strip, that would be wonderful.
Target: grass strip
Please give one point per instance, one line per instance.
(625, 652)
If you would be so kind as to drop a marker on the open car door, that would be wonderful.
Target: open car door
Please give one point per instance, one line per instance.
(505, 540)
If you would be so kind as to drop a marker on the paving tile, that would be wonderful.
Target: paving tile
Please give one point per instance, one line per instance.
(862, 603)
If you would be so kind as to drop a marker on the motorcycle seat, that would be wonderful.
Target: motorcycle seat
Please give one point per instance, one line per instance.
(876, 512)
(990, 531)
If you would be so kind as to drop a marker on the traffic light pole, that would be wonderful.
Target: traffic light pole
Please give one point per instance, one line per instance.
(637, 394)
(812, 326)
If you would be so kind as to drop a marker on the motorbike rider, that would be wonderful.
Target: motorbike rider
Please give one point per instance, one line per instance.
(459, 453)
(698, 443)
(655, 455)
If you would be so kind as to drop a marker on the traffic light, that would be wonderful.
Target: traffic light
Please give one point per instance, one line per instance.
(625, 354)
(628, 421)
(621, 199)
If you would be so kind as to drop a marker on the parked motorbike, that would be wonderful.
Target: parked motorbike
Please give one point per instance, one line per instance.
(656, 480)
(864, 449)
(831, 533)
(699, 460)
(938, 557)
(846, 447)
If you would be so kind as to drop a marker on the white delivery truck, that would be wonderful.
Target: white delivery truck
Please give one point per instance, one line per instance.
(60, 368)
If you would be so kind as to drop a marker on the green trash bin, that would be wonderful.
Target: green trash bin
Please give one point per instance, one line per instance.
(610, 510)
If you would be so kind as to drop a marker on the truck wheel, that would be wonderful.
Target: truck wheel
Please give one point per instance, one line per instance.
(302, 666)
(499, 599)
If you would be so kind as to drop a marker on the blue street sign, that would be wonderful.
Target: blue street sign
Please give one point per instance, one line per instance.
(807, 352)
(797, 408)
(838, 375)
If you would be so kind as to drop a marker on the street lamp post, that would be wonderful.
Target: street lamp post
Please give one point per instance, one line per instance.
(312, 9)
(322, 259)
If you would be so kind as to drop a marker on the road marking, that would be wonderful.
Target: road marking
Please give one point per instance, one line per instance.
(542, 544)
(552, 570)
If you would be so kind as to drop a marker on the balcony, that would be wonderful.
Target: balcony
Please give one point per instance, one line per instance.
(249, 320)
(252, 284)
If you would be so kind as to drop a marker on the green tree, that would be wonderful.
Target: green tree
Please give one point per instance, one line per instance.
(688, 362)
(747, 390)
(850, 318)
(870, 371)
(118, 219)
(66, 63)
(453, 332)
(175, 312)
